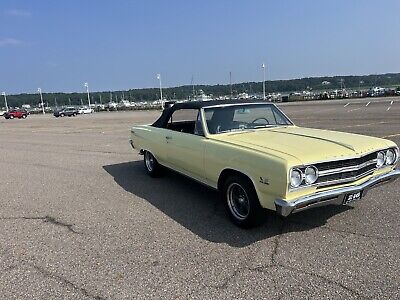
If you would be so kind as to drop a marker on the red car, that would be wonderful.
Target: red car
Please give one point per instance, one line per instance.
(16, 113)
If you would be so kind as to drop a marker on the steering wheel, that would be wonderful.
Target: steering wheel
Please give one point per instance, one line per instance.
(261, 118)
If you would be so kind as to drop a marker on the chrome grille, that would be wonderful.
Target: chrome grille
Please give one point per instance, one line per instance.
(346, 163)
(348, 170)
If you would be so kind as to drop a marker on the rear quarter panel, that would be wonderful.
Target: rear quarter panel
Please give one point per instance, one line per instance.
(147, 137)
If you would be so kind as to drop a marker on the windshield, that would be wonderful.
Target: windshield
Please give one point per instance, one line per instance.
(221, 119)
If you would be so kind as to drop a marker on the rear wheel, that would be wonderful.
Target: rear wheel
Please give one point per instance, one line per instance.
(11, 117)
(241, 201)
(23, 116)
(62, 115)
(151, 164)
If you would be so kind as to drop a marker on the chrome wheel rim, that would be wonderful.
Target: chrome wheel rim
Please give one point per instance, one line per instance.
(238, 201)
(149, 159)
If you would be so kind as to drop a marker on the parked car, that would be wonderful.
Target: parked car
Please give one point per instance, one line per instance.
(258, 159)
(2, 112)
(85, 110)
(68, 111)
(16, 113)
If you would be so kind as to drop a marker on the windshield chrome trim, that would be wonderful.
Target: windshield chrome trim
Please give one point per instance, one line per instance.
(242, 104)
(237, 104)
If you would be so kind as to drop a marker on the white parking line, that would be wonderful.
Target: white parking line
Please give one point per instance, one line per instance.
(388, 108)
(354, 109)
(346, 104)
(391, 103)
(362, 125)
(368, 103)
(391, 135)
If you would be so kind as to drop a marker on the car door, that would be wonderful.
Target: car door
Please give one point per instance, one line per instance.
(185, 148)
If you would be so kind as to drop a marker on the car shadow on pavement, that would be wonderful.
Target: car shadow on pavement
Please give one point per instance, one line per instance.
(199, 209)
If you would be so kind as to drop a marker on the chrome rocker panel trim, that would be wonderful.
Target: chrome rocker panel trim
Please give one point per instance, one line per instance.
(335, 196)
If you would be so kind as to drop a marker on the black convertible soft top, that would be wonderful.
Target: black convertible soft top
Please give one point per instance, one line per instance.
(167, 112)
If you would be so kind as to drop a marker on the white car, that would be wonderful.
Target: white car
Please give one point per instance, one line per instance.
(2, 112)
(85, 110)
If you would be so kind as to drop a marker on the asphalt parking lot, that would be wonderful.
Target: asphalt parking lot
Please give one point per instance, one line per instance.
(80, 219)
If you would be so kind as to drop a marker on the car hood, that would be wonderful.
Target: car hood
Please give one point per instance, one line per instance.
(305, 144)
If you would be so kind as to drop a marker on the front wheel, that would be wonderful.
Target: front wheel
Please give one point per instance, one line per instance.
(151, 164)
(241, 201)
(23, 116)
(11, 117)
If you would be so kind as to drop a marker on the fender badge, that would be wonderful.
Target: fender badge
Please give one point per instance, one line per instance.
(264, 180)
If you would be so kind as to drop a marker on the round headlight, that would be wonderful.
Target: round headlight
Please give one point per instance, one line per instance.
(311, 175)
(390, 157)
(380, 159)
(296, 178)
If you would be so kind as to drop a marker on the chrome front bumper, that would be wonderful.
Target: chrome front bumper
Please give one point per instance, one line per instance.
(334, 196)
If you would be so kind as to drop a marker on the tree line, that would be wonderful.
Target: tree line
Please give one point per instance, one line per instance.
(185, 92)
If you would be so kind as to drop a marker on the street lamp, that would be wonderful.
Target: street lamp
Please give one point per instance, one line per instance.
(88, 94)
(263, 67)
(161, 96)
(359, 87)
(5, 99)
(41, 98)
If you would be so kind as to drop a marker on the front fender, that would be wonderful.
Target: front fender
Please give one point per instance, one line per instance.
(268, 173)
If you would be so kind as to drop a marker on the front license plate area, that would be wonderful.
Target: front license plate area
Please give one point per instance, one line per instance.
(352, 197)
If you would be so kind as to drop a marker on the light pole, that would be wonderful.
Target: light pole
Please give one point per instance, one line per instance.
(41, 98)
(88, 94)
(359, 87)
(263, 67)
(161, 96)
(230, 82)
(5, 99)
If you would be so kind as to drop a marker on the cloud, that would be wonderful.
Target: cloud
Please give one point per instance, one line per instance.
(18, 13)
(10, 42)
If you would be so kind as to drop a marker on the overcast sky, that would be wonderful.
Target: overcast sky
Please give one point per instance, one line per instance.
(113, 45)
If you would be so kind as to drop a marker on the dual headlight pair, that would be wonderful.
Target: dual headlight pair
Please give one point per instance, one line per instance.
(386, 158)
(310, 176)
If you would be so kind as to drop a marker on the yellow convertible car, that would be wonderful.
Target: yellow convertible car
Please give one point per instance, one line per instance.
(257, 158)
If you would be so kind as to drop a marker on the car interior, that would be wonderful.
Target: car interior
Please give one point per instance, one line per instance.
(193, 126)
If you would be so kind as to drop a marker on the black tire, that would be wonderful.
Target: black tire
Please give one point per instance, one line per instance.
(62, 115)
(11, 117)
(74, 114)
(241, 201)
(23, 116)
(153, 168)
